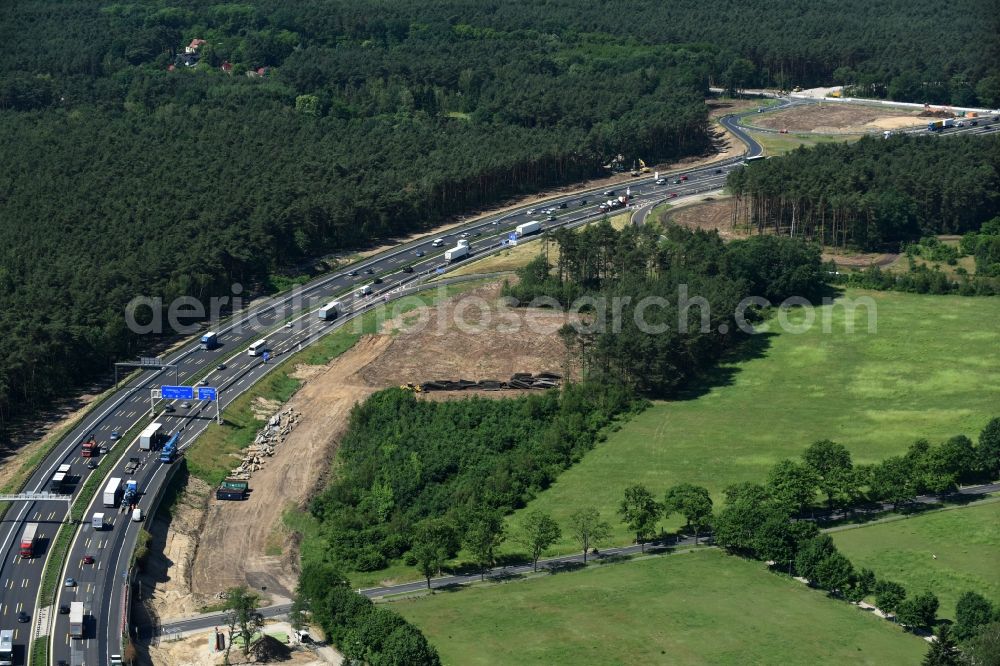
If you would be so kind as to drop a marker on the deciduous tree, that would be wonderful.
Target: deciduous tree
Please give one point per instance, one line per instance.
(640, 512)
(588, 529)
(538, 531)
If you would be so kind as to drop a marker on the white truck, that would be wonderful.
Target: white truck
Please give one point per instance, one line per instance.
(330, 311)
(149, 438)
(76, 619)
(527, 228)
(6, 647)
(112, 491)
(364, 291)
(97, 521)
(458, 252)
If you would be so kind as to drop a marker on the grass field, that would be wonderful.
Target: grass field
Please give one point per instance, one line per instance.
(966, 542)
(931, 370)
(779, 144)
(694, 608)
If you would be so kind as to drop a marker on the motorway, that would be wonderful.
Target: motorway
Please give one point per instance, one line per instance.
(100, 585)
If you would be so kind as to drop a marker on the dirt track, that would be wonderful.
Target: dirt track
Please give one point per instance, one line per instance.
(246, 542)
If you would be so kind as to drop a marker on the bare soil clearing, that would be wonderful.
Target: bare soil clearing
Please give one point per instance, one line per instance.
(709, 216)
(467, 337)
(837, 118)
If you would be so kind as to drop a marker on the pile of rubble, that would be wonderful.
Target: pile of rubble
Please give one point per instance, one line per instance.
(520, 380)
(268, 438)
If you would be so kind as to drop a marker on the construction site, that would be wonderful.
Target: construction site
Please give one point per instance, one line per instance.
(207, 545)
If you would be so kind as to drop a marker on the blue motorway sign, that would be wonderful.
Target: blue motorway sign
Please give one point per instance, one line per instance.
(206, 393)
(177, 392)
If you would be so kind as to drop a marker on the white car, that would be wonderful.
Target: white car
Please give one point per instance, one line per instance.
(531, 211)
(661, 181)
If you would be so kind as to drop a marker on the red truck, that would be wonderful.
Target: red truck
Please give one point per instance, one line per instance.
(28, 539)
(90, 448)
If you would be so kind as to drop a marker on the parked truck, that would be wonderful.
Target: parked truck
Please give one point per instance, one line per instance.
(112, 492)
(28, 540)
(330, 311)
(232, 489)
(456, 253)
(527, 228)
(151, 437)
(90, 448)
(76, 619)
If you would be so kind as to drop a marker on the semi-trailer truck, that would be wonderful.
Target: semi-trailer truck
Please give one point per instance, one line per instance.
(112, 492)
(151, 437)
(330, 311)
(90, 448)
(28, 539)
(527, 228)
(76, 619)
(456, 253)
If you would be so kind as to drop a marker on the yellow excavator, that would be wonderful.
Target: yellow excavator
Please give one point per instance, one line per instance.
(416, 388)
(642, 168)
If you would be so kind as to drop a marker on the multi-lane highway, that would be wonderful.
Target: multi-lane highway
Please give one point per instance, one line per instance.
(99, 585)
(288, 323)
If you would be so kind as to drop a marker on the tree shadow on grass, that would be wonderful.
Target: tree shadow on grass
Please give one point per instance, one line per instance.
(724, 372)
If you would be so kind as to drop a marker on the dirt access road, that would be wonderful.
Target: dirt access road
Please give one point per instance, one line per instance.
(210, 545)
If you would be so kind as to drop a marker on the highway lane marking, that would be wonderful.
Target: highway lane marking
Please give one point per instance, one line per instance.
(3, 609)
(25, 582)
(38, 515)
(9, 585)
(20, 605)
(51, 516)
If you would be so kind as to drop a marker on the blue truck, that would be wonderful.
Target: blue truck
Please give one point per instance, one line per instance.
(169, 450)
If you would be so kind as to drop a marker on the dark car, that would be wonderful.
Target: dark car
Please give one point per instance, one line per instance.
(563, 204)
(91, 464)
(169, 409)
(377, 281)
(552, 218)
(23, 617)
(64, 609)
(673, 195)
(369, 271)
(609, 193)
(718, 171)
(478, 233)
(88, 559)
(353, 274)
(221, 366)
(583, 202)
(407, 269)
(419, 253)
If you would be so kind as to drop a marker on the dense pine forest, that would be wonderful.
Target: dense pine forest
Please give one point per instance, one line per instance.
(873, 193)
(175, 147)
